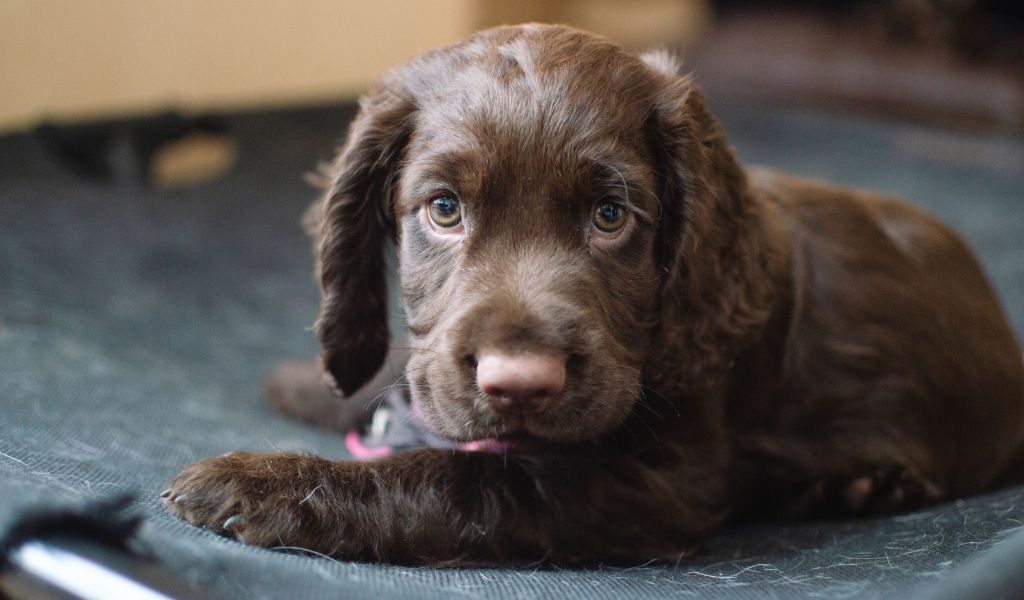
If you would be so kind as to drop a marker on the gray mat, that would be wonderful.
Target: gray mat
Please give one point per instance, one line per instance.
(136, 325)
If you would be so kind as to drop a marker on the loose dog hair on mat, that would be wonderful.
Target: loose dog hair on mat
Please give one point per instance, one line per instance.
(640, 336)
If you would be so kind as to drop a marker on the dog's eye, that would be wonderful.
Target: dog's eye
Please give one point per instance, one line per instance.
(609, 216)
(445, 212)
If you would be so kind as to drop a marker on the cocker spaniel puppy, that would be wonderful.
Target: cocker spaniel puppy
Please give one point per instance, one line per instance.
(641, 336)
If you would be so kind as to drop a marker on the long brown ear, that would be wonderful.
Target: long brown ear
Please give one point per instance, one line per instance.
(716, 247)
(356, 220)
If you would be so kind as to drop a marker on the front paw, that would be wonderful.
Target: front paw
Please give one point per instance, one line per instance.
(274, 499)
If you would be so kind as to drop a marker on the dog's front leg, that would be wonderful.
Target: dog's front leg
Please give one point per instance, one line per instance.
(435, 506)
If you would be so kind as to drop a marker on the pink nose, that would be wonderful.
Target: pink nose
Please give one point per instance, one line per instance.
(524, 382)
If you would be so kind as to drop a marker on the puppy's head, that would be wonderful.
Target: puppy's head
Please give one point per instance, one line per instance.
(541, 184)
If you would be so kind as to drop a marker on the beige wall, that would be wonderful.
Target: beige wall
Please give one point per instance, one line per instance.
(79, 58)
(640, 24)
(73, 59)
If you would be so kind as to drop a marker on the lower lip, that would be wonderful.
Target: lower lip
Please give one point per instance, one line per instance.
(516, 444)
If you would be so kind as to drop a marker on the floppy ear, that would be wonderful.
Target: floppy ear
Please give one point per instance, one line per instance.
(716, 247)
(356, 220)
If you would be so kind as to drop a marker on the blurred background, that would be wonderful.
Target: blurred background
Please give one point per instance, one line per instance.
(69, 60)
(179, 64)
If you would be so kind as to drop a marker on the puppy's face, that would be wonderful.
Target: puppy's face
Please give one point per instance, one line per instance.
(526, 222)
(521, 174)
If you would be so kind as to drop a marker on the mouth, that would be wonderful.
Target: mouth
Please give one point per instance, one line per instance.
(517, 442)
(513, 437)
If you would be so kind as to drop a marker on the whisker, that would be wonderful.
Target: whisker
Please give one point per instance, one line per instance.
(306, 551)
(379, 398)
(644, 423)
(641, 401)
(675, 407)
(643, 214)
(413, 349)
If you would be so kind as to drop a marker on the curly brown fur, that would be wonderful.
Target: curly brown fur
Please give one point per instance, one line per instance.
(750, 342)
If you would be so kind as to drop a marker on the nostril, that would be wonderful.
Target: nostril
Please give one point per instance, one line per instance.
(491, 390)
(499, 399)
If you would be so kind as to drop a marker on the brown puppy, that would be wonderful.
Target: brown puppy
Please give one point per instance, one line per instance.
(663, 337)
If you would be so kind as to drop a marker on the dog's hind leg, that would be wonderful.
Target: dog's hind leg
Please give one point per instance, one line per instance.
(297, 389)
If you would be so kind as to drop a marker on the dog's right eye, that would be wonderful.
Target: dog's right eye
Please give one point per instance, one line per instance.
(445, 212)
(609, 217)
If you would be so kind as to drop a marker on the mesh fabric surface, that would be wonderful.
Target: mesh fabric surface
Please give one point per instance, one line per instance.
(136, 326)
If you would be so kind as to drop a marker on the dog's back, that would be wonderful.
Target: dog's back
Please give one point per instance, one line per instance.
(896, 355)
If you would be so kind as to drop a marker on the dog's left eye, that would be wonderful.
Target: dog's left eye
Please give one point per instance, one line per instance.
(609, 216)
(445, 212)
